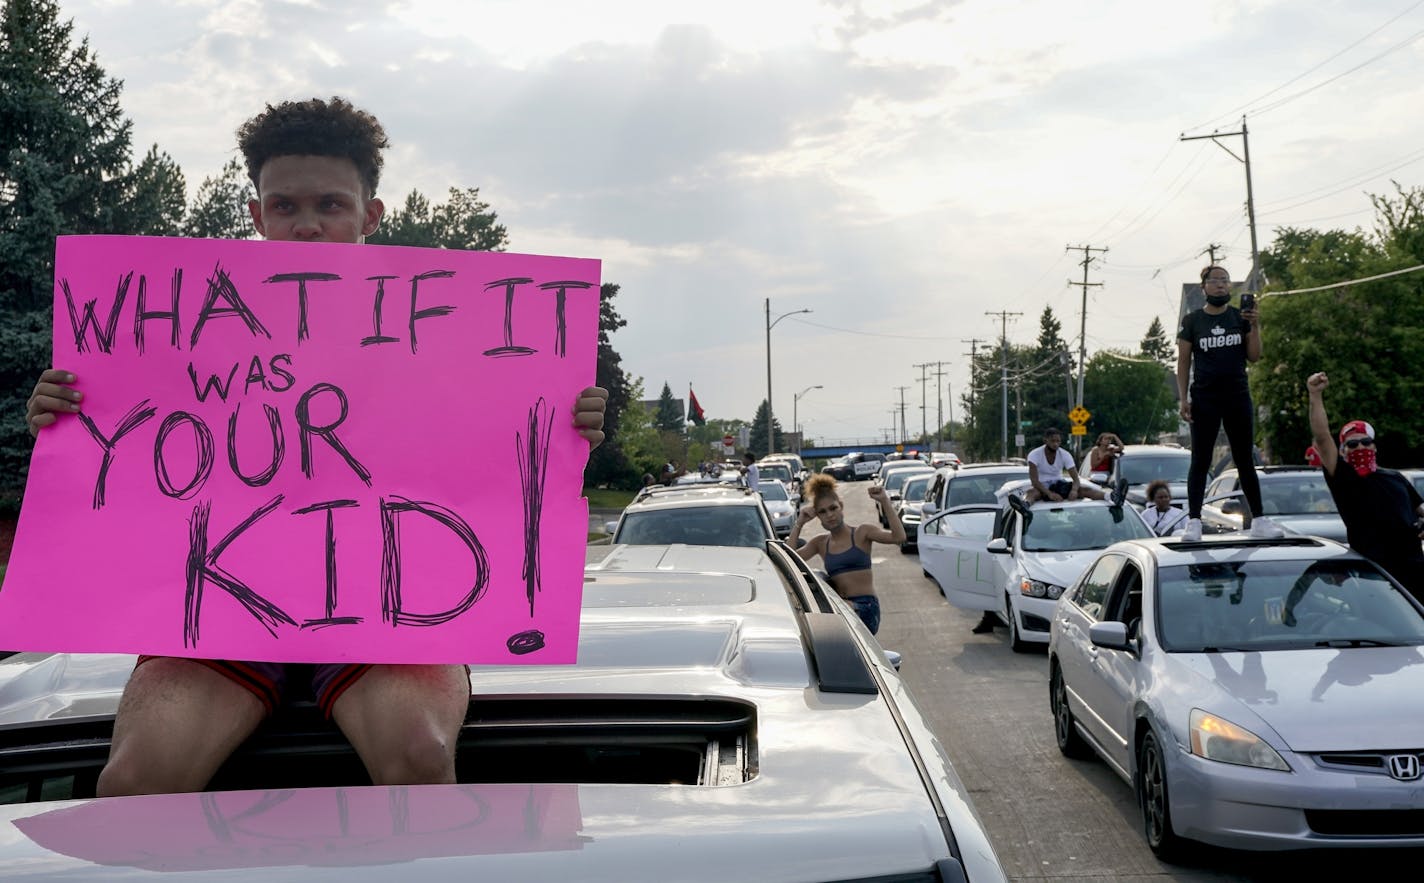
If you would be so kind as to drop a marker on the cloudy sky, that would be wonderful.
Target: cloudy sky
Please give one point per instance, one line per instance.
(900, 168)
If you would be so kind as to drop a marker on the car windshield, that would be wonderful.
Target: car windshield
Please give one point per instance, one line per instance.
(778, 471)
(772, 490)
(1145, 468)
(979, 488)
(1282, 605)
(1299, 493)
(695, 525)
(1076, 527)
(895, 480)
(914, 489)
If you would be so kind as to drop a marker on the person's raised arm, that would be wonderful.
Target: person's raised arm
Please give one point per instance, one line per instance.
(1320, 435)
(1253, 337)
(1184, 373)
(896, 533)
(803, 515)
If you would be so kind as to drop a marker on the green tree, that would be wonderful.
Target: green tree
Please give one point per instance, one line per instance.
(155, 197)
(64, 169)
(614, 463)
(1369, 336)
(1130, 395)
(668, 417)
(981, 439)
(219, 211)
(756, 442)
(1155, 345)
(462, 221)
(1045, 375)
(639, 442)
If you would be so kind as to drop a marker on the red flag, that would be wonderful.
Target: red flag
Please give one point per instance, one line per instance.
(694, 410)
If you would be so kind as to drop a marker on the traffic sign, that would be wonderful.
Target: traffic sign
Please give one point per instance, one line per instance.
(1078, 429)
(728, 440)
(1079, 415)
(1019, 440)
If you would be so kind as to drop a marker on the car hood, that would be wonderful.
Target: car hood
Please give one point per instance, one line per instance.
(1058, 568)
(1352, 699)
(468, 832)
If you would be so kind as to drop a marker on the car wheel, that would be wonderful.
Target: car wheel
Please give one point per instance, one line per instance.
(1064, 731)
(1156, 810)
(1016, 641)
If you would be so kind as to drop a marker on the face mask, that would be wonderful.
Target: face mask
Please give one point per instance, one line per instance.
(1363, 459)
(1218, 300)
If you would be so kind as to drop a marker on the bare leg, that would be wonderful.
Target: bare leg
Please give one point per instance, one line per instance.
(177, 722)
(1089, 492)
(404, 721)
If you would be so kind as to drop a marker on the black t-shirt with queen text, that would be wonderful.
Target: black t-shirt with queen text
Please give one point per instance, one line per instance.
(1218, 350)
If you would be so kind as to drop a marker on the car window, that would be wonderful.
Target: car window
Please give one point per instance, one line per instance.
(1124, 600)
(967, 490)
(1076, 527)
(772, 490)
(968, 525)
(779, 471)
(1297, 493)
(1094, 590)
(704, 526)
(1280, 605)
(1145, 468)
(916, 488)
(896, 480)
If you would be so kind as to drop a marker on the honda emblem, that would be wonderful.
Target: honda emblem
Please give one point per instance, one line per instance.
(1404, 767)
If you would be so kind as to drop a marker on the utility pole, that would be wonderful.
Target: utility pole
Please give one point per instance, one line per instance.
(1210, 250)
(973, 361)
(1083, 324)
(904, 433)
(924, 408)
(1018, 412)
(1004, 379)
(940, 373)
(1253, 281)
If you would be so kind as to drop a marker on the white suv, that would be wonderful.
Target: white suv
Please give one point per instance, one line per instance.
(700, 515)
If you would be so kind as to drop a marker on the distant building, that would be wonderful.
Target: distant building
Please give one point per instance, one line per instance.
(652, 407)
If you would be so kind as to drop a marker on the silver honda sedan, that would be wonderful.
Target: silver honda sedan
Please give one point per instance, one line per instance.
(1257, 694)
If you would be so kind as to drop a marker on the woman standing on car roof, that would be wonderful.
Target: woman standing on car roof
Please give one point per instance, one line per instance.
(1217, 341)
(846, 549)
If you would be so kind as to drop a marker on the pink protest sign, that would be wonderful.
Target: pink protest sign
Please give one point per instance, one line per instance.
(310, 452)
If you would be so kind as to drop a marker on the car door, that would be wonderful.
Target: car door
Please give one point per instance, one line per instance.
(1076, 654)
(1111, 690)
(952, 552)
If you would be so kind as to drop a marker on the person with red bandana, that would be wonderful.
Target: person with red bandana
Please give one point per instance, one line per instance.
(1380, 507)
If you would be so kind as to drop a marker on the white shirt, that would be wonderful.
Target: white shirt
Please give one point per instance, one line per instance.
(753, 477)
(1169, 523)
(1050, 472)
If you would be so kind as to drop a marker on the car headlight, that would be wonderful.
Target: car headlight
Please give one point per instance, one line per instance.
(1039, 589)
(1221, 740)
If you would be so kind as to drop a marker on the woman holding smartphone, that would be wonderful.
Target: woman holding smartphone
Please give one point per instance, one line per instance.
(1218, 340)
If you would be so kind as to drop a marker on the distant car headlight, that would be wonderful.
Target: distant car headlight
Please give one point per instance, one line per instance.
(1221, 740)
(1039, 589)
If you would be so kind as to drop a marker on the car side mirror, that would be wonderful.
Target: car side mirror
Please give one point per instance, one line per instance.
(998, 546)
(1233, 507)
(929, 509)
(894, 658)
(1110, 636)
(610, 527)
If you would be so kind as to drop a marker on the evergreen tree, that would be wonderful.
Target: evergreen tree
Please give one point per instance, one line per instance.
(64, 169)
(610, 463)
(463, 221)
(1155, 345)
(756, 443)
(1046, 377)
(155, 198)
(219, 211)
(669, 414)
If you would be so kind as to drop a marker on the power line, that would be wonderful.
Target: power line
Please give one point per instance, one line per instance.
(1413, 269)
(1369, 61)
(1307, 72)
(866, 333)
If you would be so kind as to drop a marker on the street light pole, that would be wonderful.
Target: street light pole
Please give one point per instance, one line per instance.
(770, 324)
(796, 426)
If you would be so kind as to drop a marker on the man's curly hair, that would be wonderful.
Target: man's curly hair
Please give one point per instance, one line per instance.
(315, 128)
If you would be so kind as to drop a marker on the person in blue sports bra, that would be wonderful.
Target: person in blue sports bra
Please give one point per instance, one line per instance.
(846, 549)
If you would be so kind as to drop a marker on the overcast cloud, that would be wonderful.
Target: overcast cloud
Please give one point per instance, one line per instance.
(900, 168)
